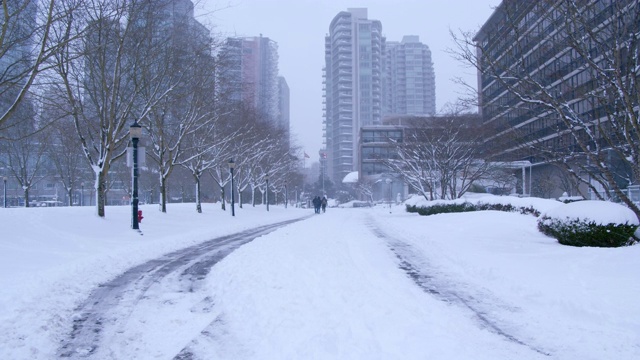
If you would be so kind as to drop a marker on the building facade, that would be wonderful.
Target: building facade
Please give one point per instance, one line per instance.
(409, 79)
(354, 59)
(376, 146)
(283, 119)
(540, 89)
(253, 61)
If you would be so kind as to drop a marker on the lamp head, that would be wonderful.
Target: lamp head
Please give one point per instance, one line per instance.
(135, 130)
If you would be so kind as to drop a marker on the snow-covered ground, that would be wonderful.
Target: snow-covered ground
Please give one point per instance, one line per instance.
(360, 283)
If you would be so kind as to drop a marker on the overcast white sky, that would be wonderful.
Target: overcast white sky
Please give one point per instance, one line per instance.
(299, 28)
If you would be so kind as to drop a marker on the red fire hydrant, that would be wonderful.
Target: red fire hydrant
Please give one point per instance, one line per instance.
(140, 217)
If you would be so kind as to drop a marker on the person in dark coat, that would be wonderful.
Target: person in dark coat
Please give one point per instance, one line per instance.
(323, 203)
(316, 204)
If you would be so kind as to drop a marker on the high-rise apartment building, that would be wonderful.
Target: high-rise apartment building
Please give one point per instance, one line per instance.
(283, 119)
(254, 61)
(171, 22)
(354, 56)
(409, 79)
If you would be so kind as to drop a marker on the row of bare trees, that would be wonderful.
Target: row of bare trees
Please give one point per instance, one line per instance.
(97, 66)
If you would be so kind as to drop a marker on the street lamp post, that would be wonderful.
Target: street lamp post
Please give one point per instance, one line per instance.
(286, 196)
(82, 194)
(135, 131)
(266, 177)
(4, 180)
(232, 165)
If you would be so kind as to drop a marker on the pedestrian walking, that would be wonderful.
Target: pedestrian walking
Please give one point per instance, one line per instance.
(323, 204)
(316, 204)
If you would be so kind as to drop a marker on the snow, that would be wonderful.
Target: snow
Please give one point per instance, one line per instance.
(351, 177)
(541, 205)
(600, 212)
(361, 283)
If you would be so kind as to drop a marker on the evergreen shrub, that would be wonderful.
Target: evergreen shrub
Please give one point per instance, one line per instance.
(577, 232)
(467, 206)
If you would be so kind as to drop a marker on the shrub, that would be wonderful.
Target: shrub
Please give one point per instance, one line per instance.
(577, 232)
(440, 208)
(590, 223)
(467, 206)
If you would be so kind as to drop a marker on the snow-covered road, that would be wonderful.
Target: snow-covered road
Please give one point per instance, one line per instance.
(338, 289)
(413, 262)
(102, 328)
(161, 308)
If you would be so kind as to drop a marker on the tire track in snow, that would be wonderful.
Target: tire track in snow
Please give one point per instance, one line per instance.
(428, 283)
(112, 303)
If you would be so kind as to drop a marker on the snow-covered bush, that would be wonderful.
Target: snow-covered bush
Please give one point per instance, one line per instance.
(590, 223)
(440, 208)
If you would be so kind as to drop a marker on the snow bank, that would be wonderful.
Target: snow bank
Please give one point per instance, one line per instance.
(600, 212)
(539, 204)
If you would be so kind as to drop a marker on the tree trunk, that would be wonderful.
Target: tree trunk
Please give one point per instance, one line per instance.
(198, 204)
(163, 194)
(26, 197)
(101, 196)
(224, 208)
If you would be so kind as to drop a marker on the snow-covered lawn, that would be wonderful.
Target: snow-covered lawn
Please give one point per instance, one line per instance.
(359, 283)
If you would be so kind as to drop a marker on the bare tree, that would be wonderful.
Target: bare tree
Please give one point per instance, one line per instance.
(238, 128)
(65, 154)
(27, 42)
(25, 159)
(207, 146)
(184, 70)
(64, 151)
(209, 152)
(278, 165)
(365, 188)
(271, 158)
(442, 157)
(101, 74)
(593, 125)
